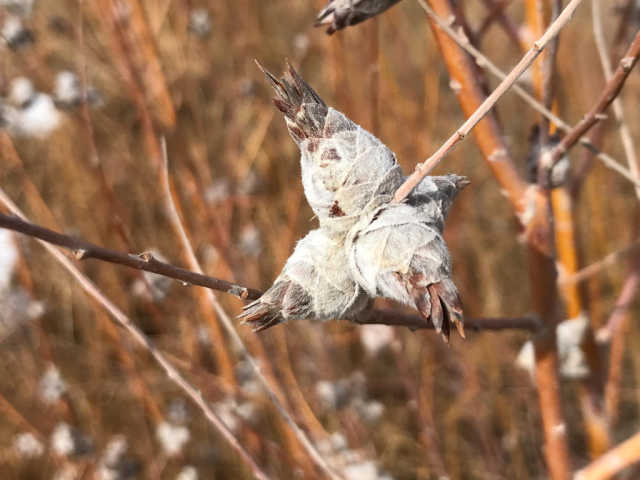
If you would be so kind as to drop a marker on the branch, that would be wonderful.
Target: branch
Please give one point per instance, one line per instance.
(618, 109)
(423, 169)
(139, 337)
(610, 92)
(596, 267)
(144, 261)
(613, 461)
(484, 62)
(416, 322)
(85, 250)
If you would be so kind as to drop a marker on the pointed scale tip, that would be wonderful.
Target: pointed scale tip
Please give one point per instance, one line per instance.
(460, 328)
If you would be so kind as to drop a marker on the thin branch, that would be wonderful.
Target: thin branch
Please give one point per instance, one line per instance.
(610, 92)
(612, 462)
(145, 261)
(424, 168)
(596, 267)
(172, 373)
(497, 12)
(416, 322)
(614, 332)
(484, 62)
(618, 109)
(174, 218)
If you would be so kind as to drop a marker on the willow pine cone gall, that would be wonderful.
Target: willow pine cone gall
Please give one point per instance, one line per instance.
(366, 246)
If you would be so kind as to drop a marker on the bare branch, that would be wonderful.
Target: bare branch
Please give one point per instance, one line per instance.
(610, 92)
(618, 109)
(172, 373)
(613, 461)
(86, 250)
(484, 62)
(416, 322)
(596, 267)
(424, 168)
(145, 261)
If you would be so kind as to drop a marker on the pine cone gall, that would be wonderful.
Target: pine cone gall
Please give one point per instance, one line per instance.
(366, 246)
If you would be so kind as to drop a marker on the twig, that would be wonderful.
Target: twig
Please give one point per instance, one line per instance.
(174, 217)
(484, 62)
(150, 264)
(145, 261)
(618, 109)
(591, 270)
(496, 12)
(614, 331)
(416, 322)
(423, 169)
(611, 90)
(172, 373)
(613, 461)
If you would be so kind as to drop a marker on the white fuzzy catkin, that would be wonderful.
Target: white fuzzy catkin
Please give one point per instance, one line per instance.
(314, 284)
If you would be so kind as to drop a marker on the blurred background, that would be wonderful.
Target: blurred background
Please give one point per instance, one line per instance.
(85, 86)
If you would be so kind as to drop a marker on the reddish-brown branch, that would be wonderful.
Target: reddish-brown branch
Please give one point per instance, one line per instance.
(544, 296)
(416, 322)
(85, 250)
(458, 72)
(614, 331)
(145, 261)
(497, 12)
(610, 92)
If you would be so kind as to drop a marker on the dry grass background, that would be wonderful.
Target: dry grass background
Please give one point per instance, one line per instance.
(417, 408)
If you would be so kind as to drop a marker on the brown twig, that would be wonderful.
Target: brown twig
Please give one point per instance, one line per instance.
(416, 322)
(613, 461)
(496, 12)
(484, 62)
(618, 109)
(615, 332)
(596, 267)
(423, 169)
(172, 373)
(144, 261)
(85, 250)
(610, 92)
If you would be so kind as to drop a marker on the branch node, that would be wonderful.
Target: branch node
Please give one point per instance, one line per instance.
(146, 257)
(80, 253)
(626, 63)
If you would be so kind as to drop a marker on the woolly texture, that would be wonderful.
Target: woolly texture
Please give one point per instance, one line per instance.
(314, 284)
(399, 253)
(366, 246)
(346, 171)
(339, 14)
